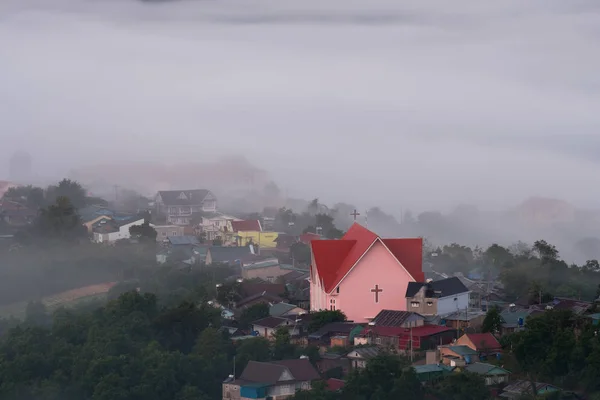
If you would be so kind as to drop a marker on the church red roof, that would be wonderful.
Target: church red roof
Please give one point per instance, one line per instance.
(335, 258)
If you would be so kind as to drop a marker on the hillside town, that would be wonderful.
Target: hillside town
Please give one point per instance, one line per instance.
(348, 298)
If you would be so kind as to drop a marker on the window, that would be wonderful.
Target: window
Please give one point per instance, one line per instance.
(337, 290)
(429, 303)
(174, 233)
(164, 233)
(378, 340)
(415, 304)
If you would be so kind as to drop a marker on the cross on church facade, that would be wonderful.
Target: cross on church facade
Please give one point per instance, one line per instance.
(376, 290)
(355, 214)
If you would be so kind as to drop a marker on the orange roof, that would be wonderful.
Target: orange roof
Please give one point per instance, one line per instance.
(335, 258)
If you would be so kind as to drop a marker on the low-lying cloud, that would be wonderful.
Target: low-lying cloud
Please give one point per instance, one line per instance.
(398, 104)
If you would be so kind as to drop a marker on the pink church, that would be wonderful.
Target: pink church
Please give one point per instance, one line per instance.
(362, 274)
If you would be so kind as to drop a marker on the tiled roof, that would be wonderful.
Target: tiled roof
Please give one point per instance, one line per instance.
(441, 288)
(262, 372)
(333, 385)
(367, 352)
(484, 341)
(301, 369)
(335, 258)
(393, 317)
(246, 225)
(193, 197)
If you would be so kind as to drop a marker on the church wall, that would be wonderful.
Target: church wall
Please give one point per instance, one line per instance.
(377, 267)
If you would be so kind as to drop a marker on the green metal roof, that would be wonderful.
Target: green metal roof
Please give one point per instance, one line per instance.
(428, 368)
(463, 350)
(486, 369)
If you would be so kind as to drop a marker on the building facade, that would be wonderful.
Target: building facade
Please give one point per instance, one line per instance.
(361, 274)
(178, 206)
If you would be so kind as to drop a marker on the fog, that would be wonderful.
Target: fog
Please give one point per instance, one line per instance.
(420, 105)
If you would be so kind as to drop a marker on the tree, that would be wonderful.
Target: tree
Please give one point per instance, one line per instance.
(37, 314)
(31, 195)
(144, 232)
(59, 221)
(282, 347)
(321, 318)
(493, 321)
(498, 256)
(378, 379)
(69, 189)
(257, 349)
(408, 386)
(253, 313)
(546, 252)
(300, 253)
(461, 386)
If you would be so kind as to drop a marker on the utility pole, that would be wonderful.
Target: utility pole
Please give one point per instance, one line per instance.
(411, 345)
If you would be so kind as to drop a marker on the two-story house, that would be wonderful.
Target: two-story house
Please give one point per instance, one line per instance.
(179, 205)
(271, 380)
(441, 297)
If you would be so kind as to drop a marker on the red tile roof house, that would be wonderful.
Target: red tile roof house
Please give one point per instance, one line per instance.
(274, 379)
(246, 225)
(361, 274)
(335, 385)
(483, 343)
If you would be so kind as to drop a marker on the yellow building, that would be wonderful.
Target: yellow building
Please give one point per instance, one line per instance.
(264, 240)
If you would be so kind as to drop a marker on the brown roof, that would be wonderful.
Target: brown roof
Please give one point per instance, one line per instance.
(301, 369)
(269, 372)
(484, 341)
(262, 372)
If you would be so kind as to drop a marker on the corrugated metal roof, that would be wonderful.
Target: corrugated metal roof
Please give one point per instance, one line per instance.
(462, 350)
(486, 369)
(183, 240)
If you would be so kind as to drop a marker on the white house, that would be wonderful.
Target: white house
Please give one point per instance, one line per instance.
(109, 231)
(267, 327)
(441, 297)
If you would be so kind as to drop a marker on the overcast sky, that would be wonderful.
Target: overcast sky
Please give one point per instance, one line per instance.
(380, 102)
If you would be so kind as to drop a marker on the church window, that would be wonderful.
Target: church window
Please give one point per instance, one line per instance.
(414, 304)
(337, 290)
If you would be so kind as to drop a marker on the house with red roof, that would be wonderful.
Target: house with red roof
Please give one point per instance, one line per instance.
(362, 274)
(246, 225)
(483, 343)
